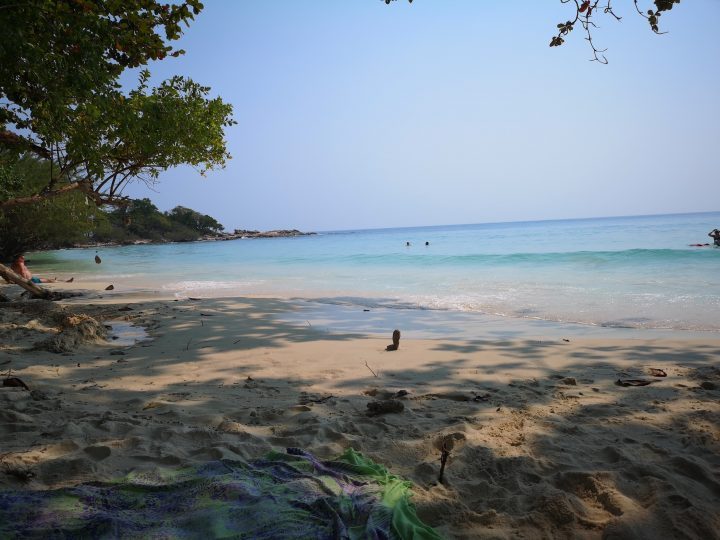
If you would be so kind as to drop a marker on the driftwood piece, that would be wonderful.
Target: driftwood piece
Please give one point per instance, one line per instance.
(32, 288)
(14, 382)
(633, 382)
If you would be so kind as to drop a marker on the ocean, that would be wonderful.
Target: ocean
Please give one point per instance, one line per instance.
(619, 272)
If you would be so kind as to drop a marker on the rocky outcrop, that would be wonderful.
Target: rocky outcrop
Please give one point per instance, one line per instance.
(243, 233)
(272, 234)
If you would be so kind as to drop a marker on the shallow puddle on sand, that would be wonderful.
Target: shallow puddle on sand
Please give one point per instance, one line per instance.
(125, 334)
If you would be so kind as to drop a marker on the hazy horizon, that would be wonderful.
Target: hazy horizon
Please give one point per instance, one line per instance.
(520, 221)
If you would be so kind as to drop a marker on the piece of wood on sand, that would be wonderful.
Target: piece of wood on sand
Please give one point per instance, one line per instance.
(32, 288)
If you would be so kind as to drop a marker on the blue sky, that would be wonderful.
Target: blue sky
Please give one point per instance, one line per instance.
(353, 114)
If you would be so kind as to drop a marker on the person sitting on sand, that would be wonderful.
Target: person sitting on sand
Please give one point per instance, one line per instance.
(715, 234)
(20, 269)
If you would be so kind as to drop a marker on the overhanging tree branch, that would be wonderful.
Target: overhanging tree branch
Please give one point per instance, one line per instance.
(39, 197)
(135, 138)
(586, 9)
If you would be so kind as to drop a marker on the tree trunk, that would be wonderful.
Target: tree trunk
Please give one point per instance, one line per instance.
(12, 277)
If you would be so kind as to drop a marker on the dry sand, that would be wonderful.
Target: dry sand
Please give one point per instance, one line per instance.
(546, 444)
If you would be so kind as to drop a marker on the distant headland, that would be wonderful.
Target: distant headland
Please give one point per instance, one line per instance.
(243, 233)
(237, 234)
(137, 221)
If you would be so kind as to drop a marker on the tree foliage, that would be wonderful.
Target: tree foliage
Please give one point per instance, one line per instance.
(586, 12)
(70, 220)
(141, 220)
(59, 222)
(585, 15)
(60, 96)
(202, 223)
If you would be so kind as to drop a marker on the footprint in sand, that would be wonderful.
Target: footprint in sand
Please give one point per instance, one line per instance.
(678, 501)
(98, 453)
(300, 408)
(557, 508)
(695, 472)
(594, 488)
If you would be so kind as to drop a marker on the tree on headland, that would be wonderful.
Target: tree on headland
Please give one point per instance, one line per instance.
(140, 220)
(61, 99)
(202, 223)
(68, 221)
(585, 13)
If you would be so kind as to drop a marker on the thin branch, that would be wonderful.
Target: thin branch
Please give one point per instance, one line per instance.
(597, 53)
(371, 369)
(637, 8)
(609, 10)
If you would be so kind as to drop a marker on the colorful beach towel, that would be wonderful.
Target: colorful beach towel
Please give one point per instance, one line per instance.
(291, 495)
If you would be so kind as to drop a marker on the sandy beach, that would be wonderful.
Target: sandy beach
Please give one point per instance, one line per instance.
(545, 443)
(374, 269)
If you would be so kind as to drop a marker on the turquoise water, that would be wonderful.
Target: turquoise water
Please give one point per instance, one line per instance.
(635, 272)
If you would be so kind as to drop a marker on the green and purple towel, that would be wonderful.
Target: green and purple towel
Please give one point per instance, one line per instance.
(291, 495)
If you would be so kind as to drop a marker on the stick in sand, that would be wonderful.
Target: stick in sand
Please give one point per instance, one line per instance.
(447, 446)
(371, 369)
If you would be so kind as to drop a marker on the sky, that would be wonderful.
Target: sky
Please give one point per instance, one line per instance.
(354, 114)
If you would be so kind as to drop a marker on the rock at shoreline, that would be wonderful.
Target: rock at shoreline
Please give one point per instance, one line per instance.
(242, 233)
(282, 233)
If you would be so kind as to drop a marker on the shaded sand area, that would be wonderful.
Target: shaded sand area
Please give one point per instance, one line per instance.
(544, 442)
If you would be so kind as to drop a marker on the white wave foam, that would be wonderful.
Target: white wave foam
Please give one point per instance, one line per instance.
(196, 286)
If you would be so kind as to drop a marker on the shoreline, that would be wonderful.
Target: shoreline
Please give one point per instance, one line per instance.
(611, 282)
(368, 316)
(546, 442)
